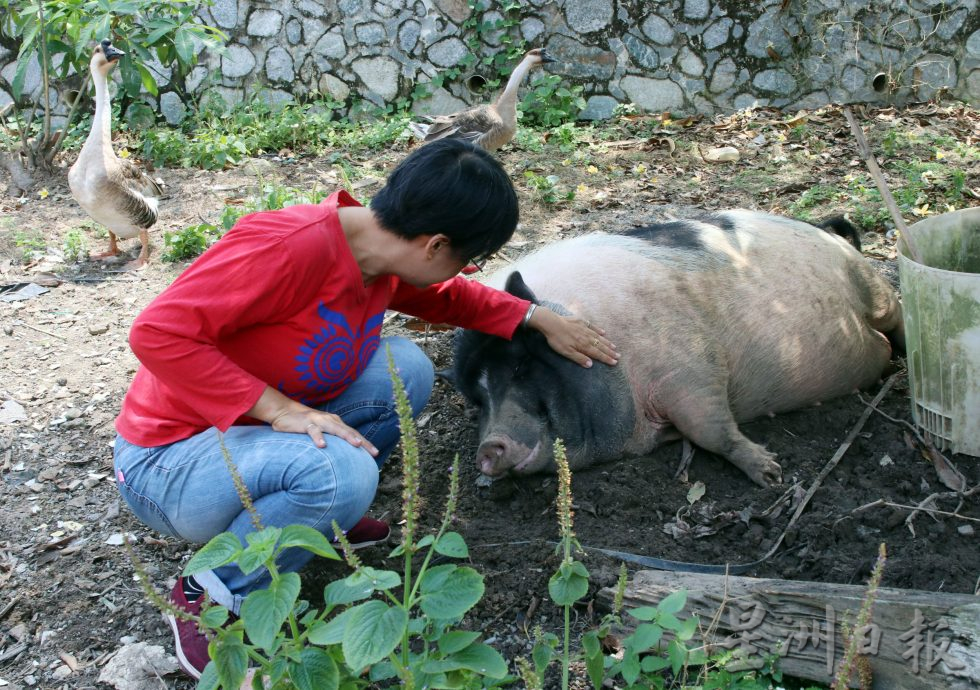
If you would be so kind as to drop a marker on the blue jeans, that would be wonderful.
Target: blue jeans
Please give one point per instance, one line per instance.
(185, 490)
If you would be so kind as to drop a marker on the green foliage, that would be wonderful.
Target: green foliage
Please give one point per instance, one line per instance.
(60, 34)
(923, 188)
(75, 247)
(658, 645)
(194, 239)
(189, 242)
(383, 627)
(548, 103)
(31, 245)
(548, 188)
(216, 138)
(397, 626)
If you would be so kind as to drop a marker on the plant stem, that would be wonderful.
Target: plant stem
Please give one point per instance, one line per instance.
(564, 657)
(45, 136)
(69, 118)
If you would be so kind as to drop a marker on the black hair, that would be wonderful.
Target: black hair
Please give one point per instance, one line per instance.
(454, 188)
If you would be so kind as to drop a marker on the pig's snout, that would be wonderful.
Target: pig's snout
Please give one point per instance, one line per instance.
(498, 454)
(489, 455)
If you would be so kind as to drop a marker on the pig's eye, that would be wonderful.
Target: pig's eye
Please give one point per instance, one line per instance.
(544, 412)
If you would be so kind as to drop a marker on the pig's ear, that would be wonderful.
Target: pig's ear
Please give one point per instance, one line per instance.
(517, 287)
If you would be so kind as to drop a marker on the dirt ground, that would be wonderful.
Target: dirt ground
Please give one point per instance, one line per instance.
(68, 596)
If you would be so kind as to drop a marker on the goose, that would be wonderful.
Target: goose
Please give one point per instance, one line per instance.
(113, 191)
(489, 126)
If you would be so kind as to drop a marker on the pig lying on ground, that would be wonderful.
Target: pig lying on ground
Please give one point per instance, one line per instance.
(718, 321)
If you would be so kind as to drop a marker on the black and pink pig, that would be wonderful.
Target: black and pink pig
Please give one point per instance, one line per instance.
(718, 320)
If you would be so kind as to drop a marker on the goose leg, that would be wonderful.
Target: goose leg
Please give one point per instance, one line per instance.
(140, 261)
(113, 249)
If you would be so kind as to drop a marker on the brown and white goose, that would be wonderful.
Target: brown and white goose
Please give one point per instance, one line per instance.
(113, 191)
(489, 126)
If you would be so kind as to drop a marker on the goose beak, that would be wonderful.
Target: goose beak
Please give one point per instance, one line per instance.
(545, 57)
(112, 53)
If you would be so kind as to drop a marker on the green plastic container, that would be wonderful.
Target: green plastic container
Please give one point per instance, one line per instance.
(941, 307)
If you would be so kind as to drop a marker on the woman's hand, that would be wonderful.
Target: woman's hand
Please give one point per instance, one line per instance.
(285, 414)
(577, 339)
(317, 424)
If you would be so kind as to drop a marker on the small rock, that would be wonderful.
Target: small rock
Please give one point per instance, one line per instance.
(72, 413)
(483, 481)
(98, 328)
(18, 632)
(965, 530)
(47, 474)
(61, 672)
(12, 411)
(138, 667)
(62, 381)
(9, 330)
(723, 154)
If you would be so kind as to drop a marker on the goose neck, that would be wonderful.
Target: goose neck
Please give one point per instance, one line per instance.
(509, 96)
(102, 122)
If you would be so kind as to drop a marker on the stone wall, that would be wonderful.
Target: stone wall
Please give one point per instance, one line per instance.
(684, 56)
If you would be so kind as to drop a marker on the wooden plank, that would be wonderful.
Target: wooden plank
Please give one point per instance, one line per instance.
(916, 640)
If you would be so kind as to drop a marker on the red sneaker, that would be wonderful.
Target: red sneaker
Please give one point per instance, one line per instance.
(368, 532)
(190, 643)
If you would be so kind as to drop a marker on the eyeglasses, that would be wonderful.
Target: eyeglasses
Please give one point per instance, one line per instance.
(478, 264)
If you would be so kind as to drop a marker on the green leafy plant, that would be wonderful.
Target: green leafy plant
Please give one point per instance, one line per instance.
(566, 136)
(571, 582)
(75, 247)
(189, 242)
(194, 239)
(218, 139)
(31, 245)
(59, 36)
(547, 187)
(397, 626)
(548, 103)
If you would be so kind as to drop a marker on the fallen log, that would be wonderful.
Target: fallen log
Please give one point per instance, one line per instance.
(916, 640)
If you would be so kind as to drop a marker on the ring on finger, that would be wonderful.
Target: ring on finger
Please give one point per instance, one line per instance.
(595, 342)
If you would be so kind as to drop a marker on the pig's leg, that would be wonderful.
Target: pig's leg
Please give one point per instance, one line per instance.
(699, 409)
(884, 310)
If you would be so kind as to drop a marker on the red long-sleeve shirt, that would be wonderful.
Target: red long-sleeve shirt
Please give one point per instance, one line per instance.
(278, 301)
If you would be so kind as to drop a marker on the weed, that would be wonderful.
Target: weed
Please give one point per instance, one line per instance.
(566, 136)
(188, 243)
(624, 109)
(529, 140)
(217, 139)
(854, 634)
(32, 245)
(548, 103)
(397, 626)
(75, 247)
(547, 189)
(193, 240)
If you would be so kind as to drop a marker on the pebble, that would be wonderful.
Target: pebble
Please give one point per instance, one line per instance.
(98, 328)
(9, 330)
(965, 530)
(723, 154)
